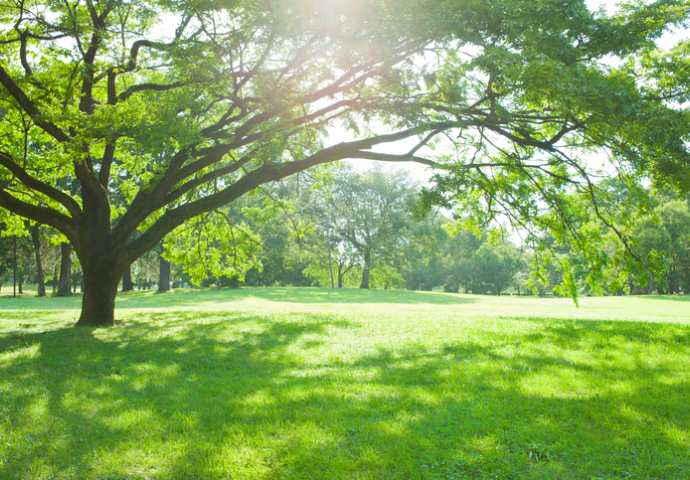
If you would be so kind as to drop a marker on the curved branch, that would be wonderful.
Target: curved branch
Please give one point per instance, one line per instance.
(148, 86)
(264, 174)
(29, 107)
(384, 157)
(45, 215)
(68, 202)
(192, 184)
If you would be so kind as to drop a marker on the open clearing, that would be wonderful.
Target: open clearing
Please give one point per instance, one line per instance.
(288, 383)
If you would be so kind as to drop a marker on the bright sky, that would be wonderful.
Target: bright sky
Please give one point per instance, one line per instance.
(424, 173)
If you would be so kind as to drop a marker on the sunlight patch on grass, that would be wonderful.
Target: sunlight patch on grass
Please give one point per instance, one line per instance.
(20, 354)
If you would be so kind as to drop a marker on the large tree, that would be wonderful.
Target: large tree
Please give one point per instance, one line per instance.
(179, 108)
(368, 215)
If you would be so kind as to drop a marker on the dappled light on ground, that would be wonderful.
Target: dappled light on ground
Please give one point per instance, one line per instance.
(389, 392)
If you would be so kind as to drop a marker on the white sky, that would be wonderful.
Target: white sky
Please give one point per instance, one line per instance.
(424, 173)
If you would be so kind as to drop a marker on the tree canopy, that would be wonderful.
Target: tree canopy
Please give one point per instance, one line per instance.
(122, 116)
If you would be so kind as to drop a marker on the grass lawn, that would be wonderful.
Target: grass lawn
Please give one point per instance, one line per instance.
(288, 383)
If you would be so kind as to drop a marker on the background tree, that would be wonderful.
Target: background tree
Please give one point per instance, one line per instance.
(427, 263)
(37, 244)
(461, 271)
(65, 280)
(369, 214)
(496, 265)
(164, 273)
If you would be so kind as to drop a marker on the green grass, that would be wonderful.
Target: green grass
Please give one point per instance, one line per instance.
(287, 383)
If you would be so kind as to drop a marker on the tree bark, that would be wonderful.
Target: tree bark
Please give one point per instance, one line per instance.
(55, 279)
(367, 268)
(21, 283)
(64, 284)
(98, 304)
(36, 240)
(164, 278)
(127, 285)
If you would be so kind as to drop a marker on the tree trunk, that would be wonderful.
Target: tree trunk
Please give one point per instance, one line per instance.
(21, 283)
(367, 268)
(65, 270)
(36, 240)
(55, 279)
(164, 279)
(650, 288)
(98, 304)
(340, 275)
(127, 285)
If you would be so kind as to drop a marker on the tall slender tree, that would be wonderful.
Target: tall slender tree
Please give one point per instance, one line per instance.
(65, 282)
(36, 242)
(164, 272)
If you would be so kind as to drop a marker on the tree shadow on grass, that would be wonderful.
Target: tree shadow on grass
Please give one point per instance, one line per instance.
(357, 295)
(301, 295)
(252, 397)
(675, 298)
(14, 308)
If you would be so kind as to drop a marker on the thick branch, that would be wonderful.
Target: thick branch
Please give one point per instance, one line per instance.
(106, 163)
(29, 107)
(68, 202)
(209, 177)
(145, 202)
(267, 173)
(384, 157)
(148, 86)
(22, 54)
(45, 215)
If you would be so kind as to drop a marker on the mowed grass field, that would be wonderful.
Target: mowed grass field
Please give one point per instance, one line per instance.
(299, 383)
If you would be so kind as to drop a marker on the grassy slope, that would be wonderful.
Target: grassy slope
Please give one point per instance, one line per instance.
(309, 383)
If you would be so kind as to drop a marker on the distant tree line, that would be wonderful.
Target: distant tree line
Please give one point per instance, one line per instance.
(367, 229)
